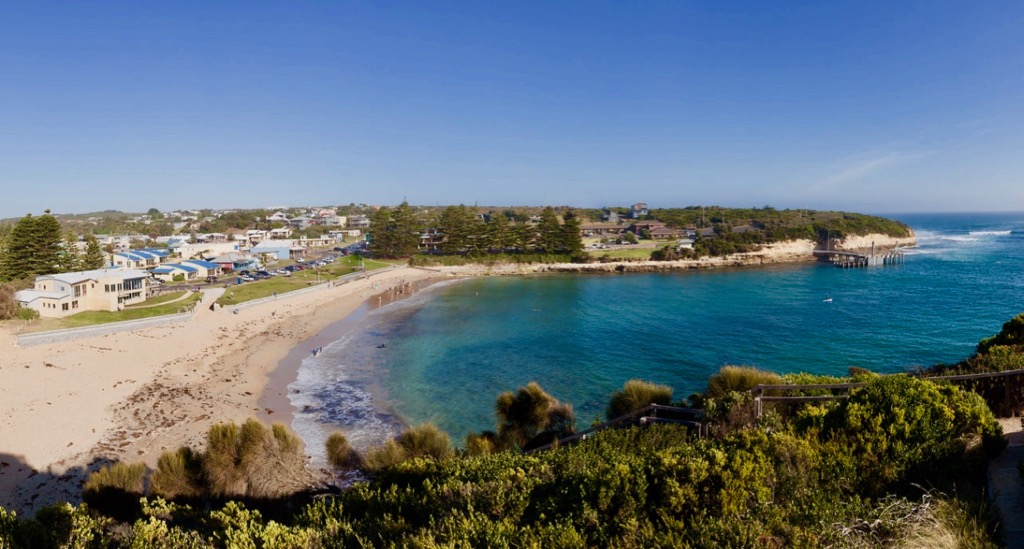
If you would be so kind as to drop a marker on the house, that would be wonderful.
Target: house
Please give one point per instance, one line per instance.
(610, 216)
(638, 210)
(137, 259)
(278, 249)
(211, 237)
(64, 294)
(340, 234)
(281, 233)
(601, 229)
(235, 261)
(190, 251)
(169, 271)
(278, 217)
(255, 236)
(655, 230)
(303, 222)
(205, 268)
(334, 220)
(358, 222)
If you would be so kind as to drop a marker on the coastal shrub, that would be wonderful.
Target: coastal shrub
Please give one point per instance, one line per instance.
(635, 395)
(382, 457)
(421, 441)
(251, 460)
(530, 417)
(739, 378)
(339, 452)
(1012, 334)
(178, 474)
(899, 429)
(8, 305)
(116, 488)
(425, 440)
(481, 444)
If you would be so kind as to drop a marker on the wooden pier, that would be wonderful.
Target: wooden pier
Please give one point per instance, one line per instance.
(852, 260)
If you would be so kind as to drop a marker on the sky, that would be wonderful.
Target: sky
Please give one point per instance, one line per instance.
(860, 106)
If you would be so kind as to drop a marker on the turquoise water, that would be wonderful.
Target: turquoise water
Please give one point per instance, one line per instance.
(451, 351)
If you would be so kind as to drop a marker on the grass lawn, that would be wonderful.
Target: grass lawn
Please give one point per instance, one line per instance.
(282, 284)
(91, 318)
(157, 300)
(626, 253)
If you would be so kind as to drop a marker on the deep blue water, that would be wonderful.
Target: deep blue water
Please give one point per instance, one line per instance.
(452, 350)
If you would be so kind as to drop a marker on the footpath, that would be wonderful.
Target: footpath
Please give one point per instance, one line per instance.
(1004, 484)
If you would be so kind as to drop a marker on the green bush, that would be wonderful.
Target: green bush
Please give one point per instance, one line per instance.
(530, 417)
(178, 474)
(116, 488)
(635, 395)
(739, 378)
(425, 440)
(899, 428)
(340, 454)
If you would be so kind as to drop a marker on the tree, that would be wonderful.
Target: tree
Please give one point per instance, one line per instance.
(69, 258)
(33, 248)
(394, 232)
(455, 222)
(572, 240)
(499, 233)
(8, 305)
(549, 231)
(155, 214)
(531, 417)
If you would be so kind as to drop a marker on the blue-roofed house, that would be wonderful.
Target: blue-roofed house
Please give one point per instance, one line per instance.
(205, 268)
(137, 259)
(64, 294)
(236, 261)
(168, 271)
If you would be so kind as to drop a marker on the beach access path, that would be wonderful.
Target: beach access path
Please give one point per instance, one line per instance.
(67, 408)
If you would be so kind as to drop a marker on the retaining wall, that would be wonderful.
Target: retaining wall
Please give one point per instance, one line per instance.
(56, 336)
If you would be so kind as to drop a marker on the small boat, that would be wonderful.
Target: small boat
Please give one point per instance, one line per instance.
(828, 299)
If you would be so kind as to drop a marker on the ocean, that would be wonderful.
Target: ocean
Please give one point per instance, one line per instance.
(445, 354)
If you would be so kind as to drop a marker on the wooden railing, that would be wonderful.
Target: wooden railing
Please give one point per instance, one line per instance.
(760, 397)
(651, 414)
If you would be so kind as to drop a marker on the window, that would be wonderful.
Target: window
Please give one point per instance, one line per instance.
(64, 306)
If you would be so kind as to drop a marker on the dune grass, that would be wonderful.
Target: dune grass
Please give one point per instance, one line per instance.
(625, 253)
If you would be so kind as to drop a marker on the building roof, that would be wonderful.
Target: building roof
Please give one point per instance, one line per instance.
(233, 257)
(273, 245)
(28, 296)
(82, 276)
(181, 267)
(201, 263)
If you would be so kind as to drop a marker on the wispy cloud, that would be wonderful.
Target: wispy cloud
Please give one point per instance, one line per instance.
(862, 167)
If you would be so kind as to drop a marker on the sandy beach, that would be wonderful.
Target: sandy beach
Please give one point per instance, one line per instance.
(67, 408)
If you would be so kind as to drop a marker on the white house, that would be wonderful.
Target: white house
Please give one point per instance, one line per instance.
(64, 294)
(168, 271)
(204, 268)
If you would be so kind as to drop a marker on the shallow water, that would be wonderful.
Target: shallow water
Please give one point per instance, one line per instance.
(451, 350)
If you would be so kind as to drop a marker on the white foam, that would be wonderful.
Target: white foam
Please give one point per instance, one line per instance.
(990, 233)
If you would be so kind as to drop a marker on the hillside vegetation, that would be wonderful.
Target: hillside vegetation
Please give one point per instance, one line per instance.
(900, 462)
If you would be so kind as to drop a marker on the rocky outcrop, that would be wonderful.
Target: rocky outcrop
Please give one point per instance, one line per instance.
(790, 251)
(881, 242)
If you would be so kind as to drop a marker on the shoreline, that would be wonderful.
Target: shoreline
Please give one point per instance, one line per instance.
(68, 408)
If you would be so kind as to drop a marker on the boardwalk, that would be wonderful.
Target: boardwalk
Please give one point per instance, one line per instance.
(1004, 485)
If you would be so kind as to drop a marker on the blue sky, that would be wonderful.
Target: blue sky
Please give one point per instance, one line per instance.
(864, 106)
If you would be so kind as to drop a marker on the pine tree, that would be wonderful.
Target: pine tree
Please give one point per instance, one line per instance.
(33, 248)
(5, 233)
(69, 258)
(572, 240)
(454, 223)
(550, 231)
(94, 258)
(394, 232)
(499, 233)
